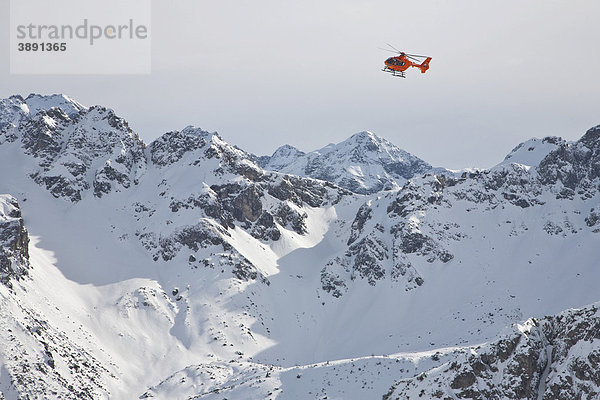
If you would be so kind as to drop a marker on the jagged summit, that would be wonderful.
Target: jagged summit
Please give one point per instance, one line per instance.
(365, 136)
(77, 149)
(173, 145)
(34, 103)
(281, 158)
(363, 163)
(592, 137)
(574, 165)
(532, 152)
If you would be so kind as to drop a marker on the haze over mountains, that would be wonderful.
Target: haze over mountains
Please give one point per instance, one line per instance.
(189, 268)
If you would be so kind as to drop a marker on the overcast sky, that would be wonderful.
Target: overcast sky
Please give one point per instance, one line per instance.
(307, 73)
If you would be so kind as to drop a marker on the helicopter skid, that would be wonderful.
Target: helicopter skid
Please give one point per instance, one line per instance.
(399, 74)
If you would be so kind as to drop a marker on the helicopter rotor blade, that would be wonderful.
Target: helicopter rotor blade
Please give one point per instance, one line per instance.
(394, 48)
(414, 55)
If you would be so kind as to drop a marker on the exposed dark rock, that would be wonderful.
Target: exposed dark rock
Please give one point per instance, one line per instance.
(541, 359)
(408, 169)
(105, 178)
(301, 190)
(14, 242)
(193, 237)
(404, 269)
(289, 218)
(463, 380)
(412, 242)
(247, 205)
(265, 228)
(332, 284)
(172, 146)
(67, 146)
(592, 219)
(59, 186)
(362, 216)
(368, 255)
(575, 165)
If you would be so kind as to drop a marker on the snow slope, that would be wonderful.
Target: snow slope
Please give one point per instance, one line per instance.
(235, 281)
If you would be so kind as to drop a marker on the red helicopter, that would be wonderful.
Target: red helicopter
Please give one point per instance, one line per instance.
(399, 64)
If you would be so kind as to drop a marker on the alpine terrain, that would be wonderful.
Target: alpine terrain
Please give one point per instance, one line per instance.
(187, 268)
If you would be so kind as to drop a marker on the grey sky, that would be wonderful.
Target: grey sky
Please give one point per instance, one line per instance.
(307, 73)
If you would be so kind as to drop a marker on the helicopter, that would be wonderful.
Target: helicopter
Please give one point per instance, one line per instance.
(399, 64)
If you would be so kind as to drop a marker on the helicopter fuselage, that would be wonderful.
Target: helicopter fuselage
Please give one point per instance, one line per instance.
(398, 64)
(402, 63)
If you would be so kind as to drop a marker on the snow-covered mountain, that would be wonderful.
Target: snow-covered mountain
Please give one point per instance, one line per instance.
(556, 357)
(363, 163)
(189, 268)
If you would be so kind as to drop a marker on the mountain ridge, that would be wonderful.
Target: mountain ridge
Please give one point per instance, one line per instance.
(187, 255)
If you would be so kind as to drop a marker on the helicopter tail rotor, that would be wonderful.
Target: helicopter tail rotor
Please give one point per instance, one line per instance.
(425, 65)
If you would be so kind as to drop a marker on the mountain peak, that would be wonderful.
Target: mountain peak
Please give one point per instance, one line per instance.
(363, 163)
(192, 130)
(173, 145)
(531, 152)
(287, 148)
(364, 140)
(574, 164)
(36, 102)
(365, 135)
(592, 137)
(282, 157)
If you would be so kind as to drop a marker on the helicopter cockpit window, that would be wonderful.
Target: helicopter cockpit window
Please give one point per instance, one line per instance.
(394, 61)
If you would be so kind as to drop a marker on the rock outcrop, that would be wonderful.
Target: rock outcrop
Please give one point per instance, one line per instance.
(553, 358)
(14, 241)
